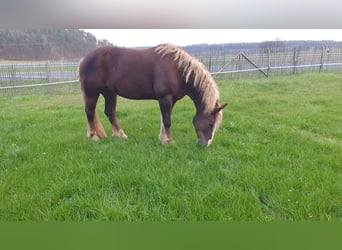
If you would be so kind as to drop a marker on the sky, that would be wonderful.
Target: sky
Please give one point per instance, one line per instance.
(183, 37)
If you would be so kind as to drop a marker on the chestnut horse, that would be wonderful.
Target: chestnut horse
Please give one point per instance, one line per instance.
(165, 73)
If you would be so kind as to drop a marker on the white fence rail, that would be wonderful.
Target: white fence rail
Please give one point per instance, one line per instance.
(38, 85)
(326, 65)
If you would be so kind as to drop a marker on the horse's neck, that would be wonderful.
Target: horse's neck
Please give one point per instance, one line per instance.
(195, 96)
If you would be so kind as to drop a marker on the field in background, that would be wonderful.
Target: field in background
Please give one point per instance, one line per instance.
(277, 156)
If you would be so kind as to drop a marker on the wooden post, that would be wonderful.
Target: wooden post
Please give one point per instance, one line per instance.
(48, 71)
(254, 64)
(224, 63)
(294, 60)
(210, 63)
(240, 66)
(269, 61)
(322, 59)
(13, 78)
(12, 72)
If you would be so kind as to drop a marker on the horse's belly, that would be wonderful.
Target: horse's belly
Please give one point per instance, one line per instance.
(135, 91)
(143, 96)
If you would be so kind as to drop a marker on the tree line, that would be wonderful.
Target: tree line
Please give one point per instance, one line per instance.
(72, 44)
(46, 44)
(229, 48)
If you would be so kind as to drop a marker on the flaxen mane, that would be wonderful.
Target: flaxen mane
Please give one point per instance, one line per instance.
(203, 81)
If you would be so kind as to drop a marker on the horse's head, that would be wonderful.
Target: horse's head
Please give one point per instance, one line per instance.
(207, 124)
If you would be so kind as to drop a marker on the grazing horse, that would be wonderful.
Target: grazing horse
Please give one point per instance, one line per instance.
(165, 73)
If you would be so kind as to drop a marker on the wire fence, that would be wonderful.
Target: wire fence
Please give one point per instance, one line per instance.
(46, 71)
(60, 77)
(38, 78)
(273, 62)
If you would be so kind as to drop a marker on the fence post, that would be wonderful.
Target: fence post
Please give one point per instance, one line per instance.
(322, 60)
(13, 77)
(12, 70)
(253, 63)
(240, 65)
(210, 63)
(224, 63)
(269, 61)
(294, 61)
(48, 71)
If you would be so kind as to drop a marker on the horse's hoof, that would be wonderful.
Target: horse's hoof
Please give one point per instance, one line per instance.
(120, 134)
(95, 138)
(124, 136)
(167, 142)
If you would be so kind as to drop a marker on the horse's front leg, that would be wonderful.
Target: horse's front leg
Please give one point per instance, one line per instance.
(166, 105)
(110, 111)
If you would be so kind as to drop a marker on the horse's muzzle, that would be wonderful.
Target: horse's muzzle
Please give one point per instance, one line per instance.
(205, 143)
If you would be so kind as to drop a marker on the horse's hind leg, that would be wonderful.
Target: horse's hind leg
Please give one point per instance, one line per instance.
(95, 129)
(110, 111)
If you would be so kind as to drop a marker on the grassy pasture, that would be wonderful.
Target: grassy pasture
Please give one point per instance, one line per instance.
(277, 156)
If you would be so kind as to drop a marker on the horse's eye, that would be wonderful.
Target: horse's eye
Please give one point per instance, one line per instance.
(211, 125)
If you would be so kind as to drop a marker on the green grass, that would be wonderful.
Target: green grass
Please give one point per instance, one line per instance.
(277, 156)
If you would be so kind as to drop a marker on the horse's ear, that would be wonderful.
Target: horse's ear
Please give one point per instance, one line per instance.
(219, 108)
